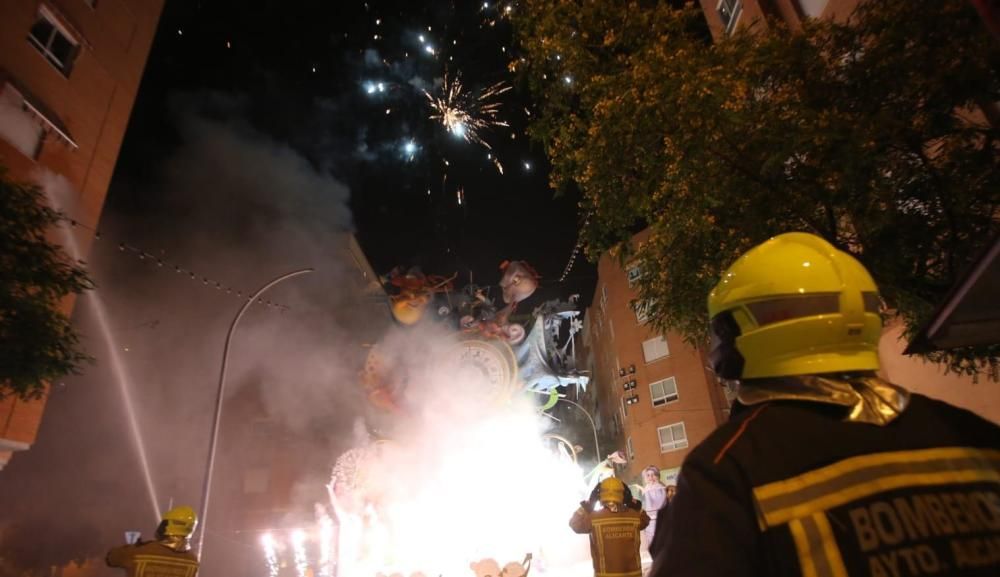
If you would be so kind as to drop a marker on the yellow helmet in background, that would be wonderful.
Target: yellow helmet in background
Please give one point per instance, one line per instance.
(612, 491)
(794, 305)
(179, 522)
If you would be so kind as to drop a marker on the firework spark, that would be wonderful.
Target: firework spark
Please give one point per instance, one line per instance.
(325, 545)
(270, 554)
(348, 469)
(465, 114)
(299, 549)
(409, 148)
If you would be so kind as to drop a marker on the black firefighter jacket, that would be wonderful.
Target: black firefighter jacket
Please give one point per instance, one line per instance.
(790, 489)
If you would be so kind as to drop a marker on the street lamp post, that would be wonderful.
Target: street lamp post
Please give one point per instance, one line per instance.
(597, 446)
(207, 486)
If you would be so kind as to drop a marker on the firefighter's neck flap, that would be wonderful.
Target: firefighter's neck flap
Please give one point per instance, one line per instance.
(868, 398)
(176, 542)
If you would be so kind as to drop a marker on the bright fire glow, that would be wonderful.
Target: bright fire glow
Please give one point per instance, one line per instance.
(492, 490)
(326, 537)
(270, 554)
(461, 479)
(299, 549)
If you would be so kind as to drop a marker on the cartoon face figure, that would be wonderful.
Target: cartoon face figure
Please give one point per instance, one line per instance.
(409, 308)
(485, 568)
(519, 281)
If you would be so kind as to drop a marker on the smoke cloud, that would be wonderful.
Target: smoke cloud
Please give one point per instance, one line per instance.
(462, 471)
(234, 206)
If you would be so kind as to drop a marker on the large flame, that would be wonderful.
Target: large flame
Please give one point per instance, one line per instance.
(462, 480)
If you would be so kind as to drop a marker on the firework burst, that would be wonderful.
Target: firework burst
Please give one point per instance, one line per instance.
(464, 113)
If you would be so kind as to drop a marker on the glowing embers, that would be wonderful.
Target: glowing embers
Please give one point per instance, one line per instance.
(465, 114)
(492, 464)
(308, 553)
(270, 554)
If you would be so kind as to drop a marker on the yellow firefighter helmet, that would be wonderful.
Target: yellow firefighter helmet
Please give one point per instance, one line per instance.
(794, 305)
(612, 491)
(179, 522)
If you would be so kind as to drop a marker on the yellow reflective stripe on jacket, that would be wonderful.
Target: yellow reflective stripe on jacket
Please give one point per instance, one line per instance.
(162, 565)
(819, 555)
(858, 477)
(802, 502)
(628, 524)
(600, 522)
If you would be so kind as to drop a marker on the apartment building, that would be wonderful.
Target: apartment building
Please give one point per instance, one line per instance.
(725, 16)
(652, 390)
(69, 74)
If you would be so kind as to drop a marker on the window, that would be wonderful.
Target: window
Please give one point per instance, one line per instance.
(631, 449)
(641, 309)
(730, 12)
(655, 349)
(53, 41)
(17, 126)
(633, 274)
(663, 392)
(813, 8)
(672, 437)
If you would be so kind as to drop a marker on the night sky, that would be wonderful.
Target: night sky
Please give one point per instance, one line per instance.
(302, 72)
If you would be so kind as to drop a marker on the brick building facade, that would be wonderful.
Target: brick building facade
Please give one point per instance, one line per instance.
(69, 74)
(653, 392)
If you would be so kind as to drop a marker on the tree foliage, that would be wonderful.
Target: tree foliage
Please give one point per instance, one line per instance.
(37, 341)
(870, 133)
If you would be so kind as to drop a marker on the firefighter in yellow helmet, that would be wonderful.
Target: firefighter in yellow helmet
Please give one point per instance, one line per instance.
(826, 469)
(614, 529)
(168, 556)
